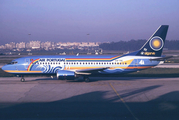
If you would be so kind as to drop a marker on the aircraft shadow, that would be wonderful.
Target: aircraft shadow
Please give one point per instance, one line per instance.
(93, 105)
(130, 76)
(94, 79)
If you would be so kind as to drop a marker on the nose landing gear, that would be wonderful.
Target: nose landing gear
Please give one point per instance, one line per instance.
(22, 79)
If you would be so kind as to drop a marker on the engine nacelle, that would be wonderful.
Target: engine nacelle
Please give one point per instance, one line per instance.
(65, 75)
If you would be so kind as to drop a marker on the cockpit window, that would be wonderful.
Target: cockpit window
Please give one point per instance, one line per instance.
(13, 62)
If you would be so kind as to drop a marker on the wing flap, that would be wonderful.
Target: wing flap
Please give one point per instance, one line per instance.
(90, 71)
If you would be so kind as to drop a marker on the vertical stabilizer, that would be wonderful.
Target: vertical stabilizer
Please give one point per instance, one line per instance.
(154, 45)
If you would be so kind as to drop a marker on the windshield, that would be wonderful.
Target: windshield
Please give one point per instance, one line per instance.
(13, 62)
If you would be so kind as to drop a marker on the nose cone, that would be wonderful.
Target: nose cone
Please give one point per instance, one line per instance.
(3, 67)
(8, 68)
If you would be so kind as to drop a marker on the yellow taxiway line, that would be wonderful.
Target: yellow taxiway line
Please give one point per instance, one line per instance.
(123, 102)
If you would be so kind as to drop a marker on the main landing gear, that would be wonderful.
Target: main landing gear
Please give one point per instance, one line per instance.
(86, 79)
(22, 79)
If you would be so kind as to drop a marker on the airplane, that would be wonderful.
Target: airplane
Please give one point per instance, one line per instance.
(70, 67)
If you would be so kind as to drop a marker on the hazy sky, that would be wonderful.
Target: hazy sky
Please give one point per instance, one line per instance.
(86, 20)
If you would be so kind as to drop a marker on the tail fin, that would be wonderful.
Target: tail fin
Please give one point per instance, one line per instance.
(154, 45)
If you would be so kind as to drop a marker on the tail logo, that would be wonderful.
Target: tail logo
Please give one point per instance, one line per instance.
(156, 43)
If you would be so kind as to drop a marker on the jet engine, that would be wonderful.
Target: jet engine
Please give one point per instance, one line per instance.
(65, 75)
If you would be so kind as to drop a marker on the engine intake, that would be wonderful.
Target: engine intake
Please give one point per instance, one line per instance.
(65, 75)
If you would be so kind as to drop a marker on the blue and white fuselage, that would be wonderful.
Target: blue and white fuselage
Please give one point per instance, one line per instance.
(52, 64)
(70, 67)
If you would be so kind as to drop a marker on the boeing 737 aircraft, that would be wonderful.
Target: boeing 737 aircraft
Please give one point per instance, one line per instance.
(70, 67)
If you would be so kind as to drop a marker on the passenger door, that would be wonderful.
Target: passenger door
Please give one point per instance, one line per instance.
(27, 62)
(135, 63)
(62, 64)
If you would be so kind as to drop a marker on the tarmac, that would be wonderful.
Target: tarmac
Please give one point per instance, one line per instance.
(114, 98)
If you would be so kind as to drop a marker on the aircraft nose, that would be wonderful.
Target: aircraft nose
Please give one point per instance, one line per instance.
(3, 67)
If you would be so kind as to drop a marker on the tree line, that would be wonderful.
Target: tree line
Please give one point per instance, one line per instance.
(136, 44)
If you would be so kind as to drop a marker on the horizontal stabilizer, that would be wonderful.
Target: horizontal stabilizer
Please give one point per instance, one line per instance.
(161, 58)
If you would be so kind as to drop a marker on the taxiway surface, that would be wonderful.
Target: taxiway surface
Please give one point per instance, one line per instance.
(124, 98)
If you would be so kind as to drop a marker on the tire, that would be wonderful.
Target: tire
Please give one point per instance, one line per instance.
(22, 80)
(86, 79)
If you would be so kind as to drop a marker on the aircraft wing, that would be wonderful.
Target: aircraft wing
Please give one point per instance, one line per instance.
(161, 58)
(90, 71)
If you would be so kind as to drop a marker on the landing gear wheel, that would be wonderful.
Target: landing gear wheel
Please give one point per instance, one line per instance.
(86, 79)
(22, 79)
